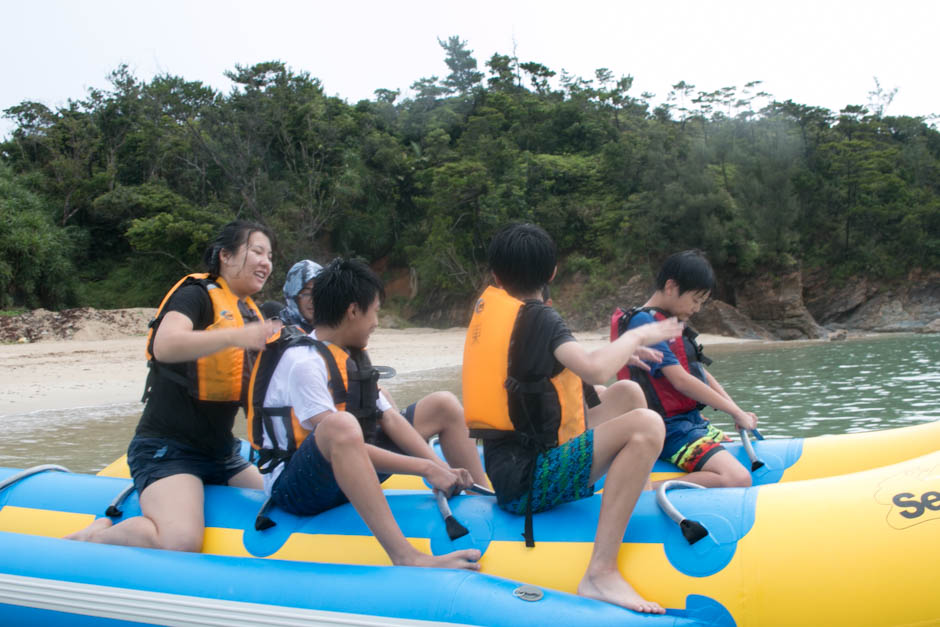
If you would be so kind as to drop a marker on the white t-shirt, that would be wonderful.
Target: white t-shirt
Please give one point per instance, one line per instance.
(300, 381)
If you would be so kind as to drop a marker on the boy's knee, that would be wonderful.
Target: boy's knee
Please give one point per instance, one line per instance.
(445, 403)
(441, 411)
(646, 428)
(652, 426)
(738, 477)
(338, 429)
(629, 394)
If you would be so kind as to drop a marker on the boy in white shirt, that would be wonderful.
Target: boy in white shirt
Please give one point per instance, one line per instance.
(325, 429)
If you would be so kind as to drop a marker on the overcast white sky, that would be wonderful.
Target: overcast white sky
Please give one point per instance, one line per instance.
(821, 52)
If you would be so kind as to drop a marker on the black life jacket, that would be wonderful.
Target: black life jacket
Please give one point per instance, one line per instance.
(353, 385)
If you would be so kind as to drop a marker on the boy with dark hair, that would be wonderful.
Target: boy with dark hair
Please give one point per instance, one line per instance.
(523, 377)
(679, 386)
(323, 429)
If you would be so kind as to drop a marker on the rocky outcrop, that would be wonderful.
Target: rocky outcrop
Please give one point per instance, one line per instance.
(786, 305)
(828, 301)
(720, 318)
(775, 302)
(862, 304)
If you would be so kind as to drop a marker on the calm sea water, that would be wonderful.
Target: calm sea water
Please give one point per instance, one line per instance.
(797, 390)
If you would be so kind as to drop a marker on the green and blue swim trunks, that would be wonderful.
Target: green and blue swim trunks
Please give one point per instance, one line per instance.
(561, 476)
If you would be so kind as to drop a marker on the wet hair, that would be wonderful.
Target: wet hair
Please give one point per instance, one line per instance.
(341, 283)
(689, 269)
(230, 238)
(523, 258)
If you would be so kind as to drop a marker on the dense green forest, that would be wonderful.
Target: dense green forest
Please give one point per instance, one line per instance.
(106, 201)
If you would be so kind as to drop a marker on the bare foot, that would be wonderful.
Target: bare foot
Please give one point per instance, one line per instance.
(86, 534)
(466, 559)
(613, 588)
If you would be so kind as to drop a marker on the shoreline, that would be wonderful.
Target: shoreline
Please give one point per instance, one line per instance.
(63, 374)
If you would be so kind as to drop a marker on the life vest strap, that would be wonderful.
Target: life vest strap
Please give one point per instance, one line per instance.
(335, 378)
(158, 369)
(491, 434)
(540, 386)
(269, 459)
(266, 456)
(528, 532)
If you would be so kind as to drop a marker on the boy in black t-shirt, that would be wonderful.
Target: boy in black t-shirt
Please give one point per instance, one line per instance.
(545, 457)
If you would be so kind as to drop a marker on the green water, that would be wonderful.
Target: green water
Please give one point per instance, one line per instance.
(796, 389)
(806, 389)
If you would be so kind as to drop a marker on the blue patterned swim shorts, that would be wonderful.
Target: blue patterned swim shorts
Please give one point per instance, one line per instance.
(561, 476)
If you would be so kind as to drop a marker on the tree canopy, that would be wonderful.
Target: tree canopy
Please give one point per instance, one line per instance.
(106, 200)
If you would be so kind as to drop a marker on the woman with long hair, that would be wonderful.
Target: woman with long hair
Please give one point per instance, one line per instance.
(200, 349)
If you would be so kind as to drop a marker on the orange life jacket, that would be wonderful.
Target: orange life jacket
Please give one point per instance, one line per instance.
(215, 377)
(487, 386)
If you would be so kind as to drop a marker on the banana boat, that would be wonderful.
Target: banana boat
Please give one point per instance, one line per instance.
(859, 548)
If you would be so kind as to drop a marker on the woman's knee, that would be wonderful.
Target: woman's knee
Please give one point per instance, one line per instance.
(186, 540)
(180, 532)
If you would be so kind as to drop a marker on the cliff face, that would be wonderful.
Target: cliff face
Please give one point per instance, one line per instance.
(786, 306)
(791, 305)
(806, 305)
(911, 304)
(775, 302)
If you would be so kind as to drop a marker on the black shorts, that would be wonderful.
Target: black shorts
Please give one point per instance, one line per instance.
(150, 459)
(383, 441)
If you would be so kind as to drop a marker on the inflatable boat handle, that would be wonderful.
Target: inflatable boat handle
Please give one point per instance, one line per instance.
(114, 509)
(476, 487)
(385, 372)
(454, 528)
(692, 530)
(29, 472)
(751, 455)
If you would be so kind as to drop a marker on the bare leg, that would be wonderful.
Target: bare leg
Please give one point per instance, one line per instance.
(722, 470)
(441, 414)
(248, 478)
(616, 400)
(625, 448)
(339, 438)
(172, 518)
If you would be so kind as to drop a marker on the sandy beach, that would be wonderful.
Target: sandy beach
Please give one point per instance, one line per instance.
(88, 372)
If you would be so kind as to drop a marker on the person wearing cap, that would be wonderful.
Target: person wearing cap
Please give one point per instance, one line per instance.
(298, 294)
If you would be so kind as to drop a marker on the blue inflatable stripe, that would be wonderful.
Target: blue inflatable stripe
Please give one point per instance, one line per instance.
(414, 593)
